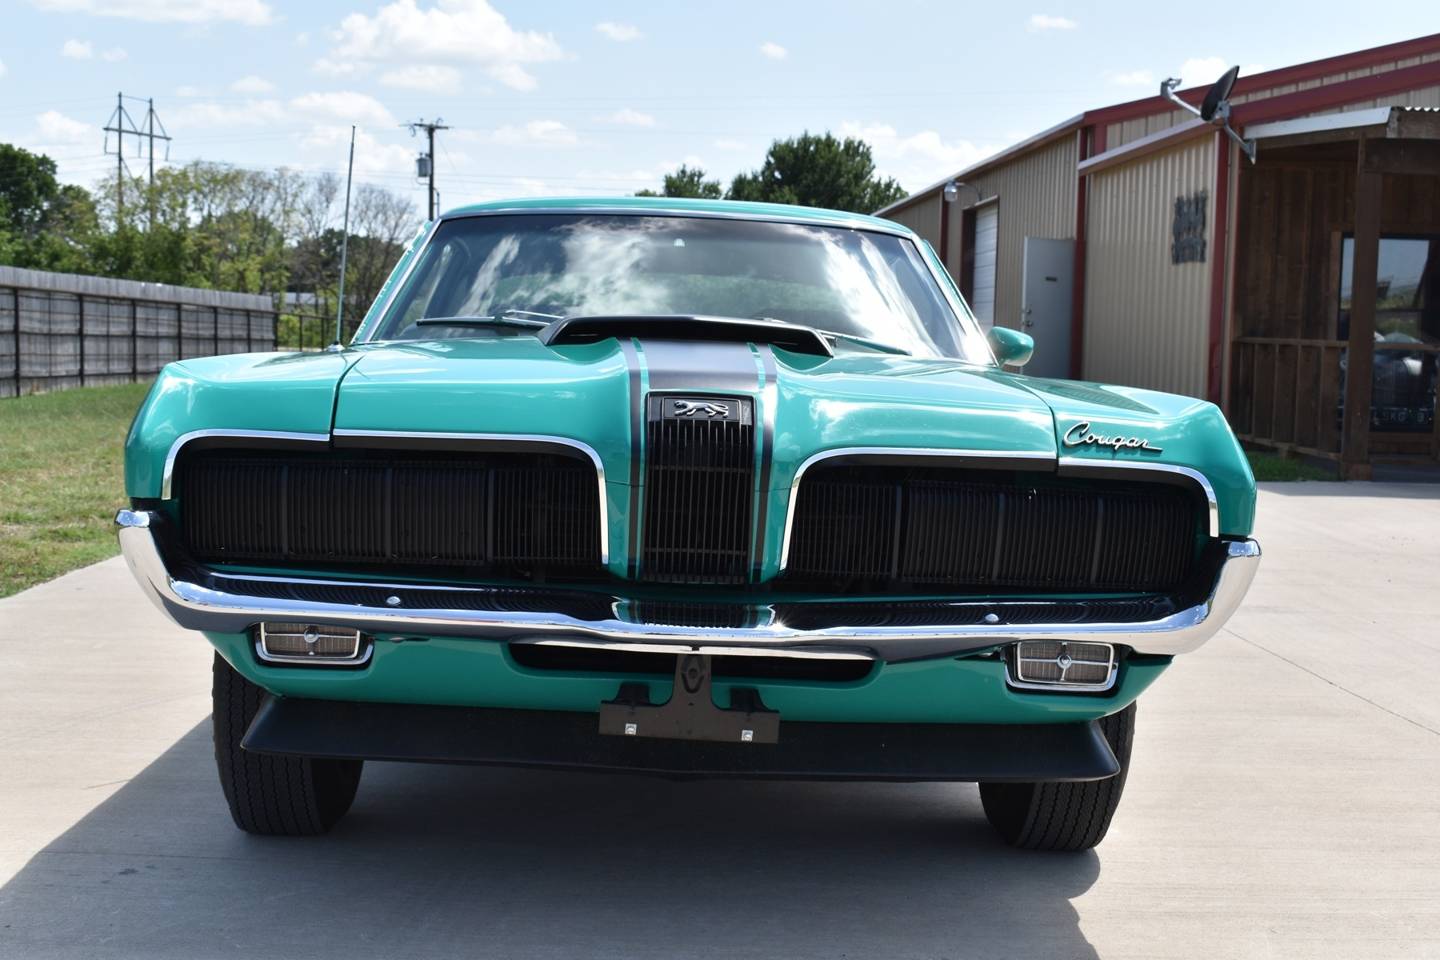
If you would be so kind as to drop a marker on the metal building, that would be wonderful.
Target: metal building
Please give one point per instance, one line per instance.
(1139, 245)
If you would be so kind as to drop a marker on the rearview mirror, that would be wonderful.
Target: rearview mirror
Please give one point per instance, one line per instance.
(1011, 346)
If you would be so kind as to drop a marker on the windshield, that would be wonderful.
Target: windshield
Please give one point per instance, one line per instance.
(507, 274)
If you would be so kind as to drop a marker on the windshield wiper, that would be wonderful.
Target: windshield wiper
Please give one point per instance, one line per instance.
(501, 321)
(848, 337)
(865, 342)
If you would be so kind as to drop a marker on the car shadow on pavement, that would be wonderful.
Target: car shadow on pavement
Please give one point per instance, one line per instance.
(468, 861)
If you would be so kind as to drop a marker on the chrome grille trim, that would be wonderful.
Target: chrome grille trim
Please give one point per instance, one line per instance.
(229, 603)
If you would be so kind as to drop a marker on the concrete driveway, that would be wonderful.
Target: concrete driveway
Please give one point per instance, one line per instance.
(1284, 802)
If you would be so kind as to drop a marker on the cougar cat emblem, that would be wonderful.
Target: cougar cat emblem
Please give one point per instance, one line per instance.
(689, 408)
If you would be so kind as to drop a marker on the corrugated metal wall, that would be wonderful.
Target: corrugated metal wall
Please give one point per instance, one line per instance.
(1119, 134)
(1037, 199)
(1146, 318)
(922, 216)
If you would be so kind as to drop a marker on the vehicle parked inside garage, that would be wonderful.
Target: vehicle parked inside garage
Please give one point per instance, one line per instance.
(685, 488)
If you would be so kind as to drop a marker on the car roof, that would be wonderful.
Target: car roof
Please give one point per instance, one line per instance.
(684, 206)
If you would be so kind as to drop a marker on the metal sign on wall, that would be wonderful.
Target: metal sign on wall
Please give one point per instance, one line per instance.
(1187, 230)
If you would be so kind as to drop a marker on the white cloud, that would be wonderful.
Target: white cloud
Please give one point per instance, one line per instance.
(773, 50)
(728, 143)
(77, 50)
(302, 38)
(3, 69)
(327, 67)
(190, 91)
(431, 78)
(345, 106)
(627, 117)
(919, 158)
(114, 55)
(619, 32)
(255, 13)
(54, 127)
(1132, 78)
(204, 113)
(326, 147)
(458, 31)
(547, 132)
(1044, 21)
(253, 84)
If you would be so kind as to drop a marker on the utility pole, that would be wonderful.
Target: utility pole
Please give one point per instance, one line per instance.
(425, 163)
(151, 120)
(120, 124)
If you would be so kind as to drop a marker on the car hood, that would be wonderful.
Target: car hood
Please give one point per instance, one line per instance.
(513, 385)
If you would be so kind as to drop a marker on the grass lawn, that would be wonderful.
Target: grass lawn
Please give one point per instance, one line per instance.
(1267, 466)
(61, 479)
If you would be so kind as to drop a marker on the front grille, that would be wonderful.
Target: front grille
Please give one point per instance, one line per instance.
(699, 483)
(896, 527)
(511, 513)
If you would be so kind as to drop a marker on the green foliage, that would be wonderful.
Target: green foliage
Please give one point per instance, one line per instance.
(810, 170)
(43, 225)
(818, 171)
(1269, 467)
(686, 182)
(208, 225)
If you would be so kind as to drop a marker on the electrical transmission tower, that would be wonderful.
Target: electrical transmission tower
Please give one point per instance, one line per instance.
(425, 163)
(120, 124)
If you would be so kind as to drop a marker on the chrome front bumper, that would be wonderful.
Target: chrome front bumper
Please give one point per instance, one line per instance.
(200, 598)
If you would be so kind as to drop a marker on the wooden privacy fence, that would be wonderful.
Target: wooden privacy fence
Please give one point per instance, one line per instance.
(60, 330)
(1288, 393)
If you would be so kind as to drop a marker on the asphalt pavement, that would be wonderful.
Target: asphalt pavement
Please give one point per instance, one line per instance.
(1283, 802)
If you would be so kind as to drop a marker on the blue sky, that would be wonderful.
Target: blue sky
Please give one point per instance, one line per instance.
(602, 97)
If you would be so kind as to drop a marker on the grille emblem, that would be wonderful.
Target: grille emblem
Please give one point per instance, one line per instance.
(1080, 436)
(689, 408)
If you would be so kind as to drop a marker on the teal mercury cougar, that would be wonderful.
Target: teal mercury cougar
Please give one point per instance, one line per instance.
(689, 489)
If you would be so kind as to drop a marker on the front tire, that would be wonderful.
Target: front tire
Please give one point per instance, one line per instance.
(271, 795)
(1062, 816)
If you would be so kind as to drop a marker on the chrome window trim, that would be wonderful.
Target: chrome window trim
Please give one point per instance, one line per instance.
(167, 475)
(814, 458)
(362, 333)
(482, 439)
(202, 606)
(949, 293)
(1084, 463)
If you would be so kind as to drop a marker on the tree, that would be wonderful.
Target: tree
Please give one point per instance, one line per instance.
(818, 171)
(44, 225)
(686, 182)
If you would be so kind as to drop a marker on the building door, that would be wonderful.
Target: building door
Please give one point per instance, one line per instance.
(982, 301)
(1045, 304)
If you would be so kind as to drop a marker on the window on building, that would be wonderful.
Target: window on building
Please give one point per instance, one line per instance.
(1407, 313)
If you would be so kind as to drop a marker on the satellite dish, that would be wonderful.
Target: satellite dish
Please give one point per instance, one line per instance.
(1219, 93)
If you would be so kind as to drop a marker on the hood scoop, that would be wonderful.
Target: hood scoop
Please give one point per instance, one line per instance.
(686, 327)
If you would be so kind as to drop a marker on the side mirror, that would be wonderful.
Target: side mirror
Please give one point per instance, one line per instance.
(1011, 346)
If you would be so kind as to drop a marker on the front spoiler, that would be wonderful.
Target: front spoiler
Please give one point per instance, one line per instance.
(292, 726)
(200, 598)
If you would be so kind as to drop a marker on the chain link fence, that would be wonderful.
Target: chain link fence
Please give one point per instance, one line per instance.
(60, 330)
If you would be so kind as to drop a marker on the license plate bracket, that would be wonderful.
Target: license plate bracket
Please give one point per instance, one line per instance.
(690, 713)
